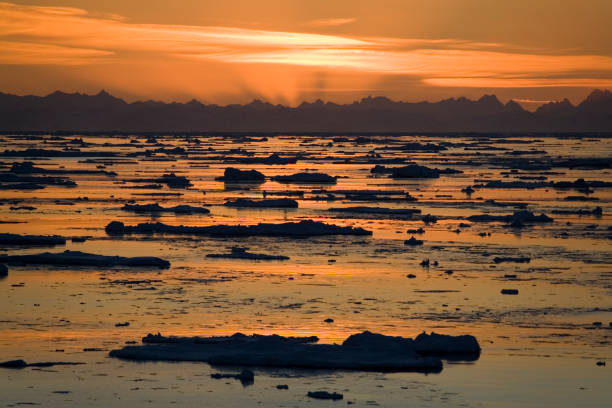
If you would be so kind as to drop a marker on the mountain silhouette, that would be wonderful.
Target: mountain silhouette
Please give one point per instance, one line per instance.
(103, 112)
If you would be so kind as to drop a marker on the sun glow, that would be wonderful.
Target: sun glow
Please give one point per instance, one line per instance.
(211, 61)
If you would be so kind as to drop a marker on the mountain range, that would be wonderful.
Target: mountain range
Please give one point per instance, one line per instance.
(103, 112)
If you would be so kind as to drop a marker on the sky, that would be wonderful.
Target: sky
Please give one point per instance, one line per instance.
(288, 51)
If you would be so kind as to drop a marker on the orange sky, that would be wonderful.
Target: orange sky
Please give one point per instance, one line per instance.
(287, 51)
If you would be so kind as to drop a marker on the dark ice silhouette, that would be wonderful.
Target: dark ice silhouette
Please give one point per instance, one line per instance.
(363, 351)
(77, 258)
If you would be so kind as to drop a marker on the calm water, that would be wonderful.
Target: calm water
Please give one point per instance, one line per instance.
(540, 347)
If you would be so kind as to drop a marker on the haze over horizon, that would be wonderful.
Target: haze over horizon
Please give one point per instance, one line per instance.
(289, 52)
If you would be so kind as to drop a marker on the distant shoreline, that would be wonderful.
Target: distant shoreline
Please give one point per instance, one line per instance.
(483, 134)
(371, 116)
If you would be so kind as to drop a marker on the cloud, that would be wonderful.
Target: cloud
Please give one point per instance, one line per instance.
(12, 53)
(35, 35)
(471, 82)
(331, 22)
